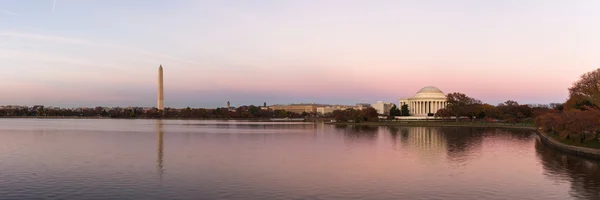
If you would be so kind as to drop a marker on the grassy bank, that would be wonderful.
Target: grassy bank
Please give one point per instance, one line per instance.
(438, 124)
(594, 144)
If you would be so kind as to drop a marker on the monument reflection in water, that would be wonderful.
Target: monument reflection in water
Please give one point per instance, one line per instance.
(159, 154)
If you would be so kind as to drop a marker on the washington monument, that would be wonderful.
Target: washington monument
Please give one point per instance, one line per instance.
(161, 96)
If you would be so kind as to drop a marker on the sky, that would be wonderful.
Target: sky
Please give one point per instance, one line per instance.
(73, 53)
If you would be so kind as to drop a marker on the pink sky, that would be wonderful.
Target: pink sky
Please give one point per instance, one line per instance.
(294, 51)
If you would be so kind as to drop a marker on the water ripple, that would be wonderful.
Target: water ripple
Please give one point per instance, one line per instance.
(146, 159)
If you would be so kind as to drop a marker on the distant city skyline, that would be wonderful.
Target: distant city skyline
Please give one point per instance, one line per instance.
(84, 53)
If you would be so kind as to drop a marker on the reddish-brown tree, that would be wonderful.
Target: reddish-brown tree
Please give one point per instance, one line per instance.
(588, 87)
(462, 105)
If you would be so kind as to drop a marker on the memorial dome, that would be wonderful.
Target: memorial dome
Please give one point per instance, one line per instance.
(430, 92)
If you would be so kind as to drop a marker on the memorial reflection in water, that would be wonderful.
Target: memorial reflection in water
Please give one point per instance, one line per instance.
(426, 140)
(434, 141)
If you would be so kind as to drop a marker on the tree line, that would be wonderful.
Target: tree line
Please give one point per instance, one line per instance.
(465, 107)
(368, 114)
(577, 120)
(460, 107)
(242, 112)
(395, 111)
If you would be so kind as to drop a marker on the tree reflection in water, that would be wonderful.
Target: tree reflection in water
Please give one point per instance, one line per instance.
(358, 132)
(462, 143)
(394, 134)
(584, 174)
(394, 131)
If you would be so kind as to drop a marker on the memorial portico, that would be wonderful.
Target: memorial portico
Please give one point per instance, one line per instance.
(427, 100)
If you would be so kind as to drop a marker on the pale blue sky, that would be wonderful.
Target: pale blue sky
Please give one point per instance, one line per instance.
(88, 53)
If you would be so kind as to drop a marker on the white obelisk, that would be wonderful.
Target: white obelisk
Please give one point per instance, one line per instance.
(161, 96)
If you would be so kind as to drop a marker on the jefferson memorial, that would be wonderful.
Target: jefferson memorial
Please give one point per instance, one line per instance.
(427, 100)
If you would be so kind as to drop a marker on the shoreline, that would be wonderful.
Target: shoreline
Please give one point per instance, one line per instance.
(137, 118)
(437, 124)
(570, 149)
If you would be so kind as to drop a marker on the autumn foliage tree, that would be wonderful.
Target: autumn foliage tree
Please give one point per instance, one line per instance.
(511, 112)
(487, 111)
(461, 105)
(578, 102)
(443, 114)
(587, 88)
(357, 116)
(578, 119)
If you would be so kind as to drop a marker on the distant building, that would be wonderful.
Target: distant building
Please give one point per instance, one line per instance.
(264, 107)
(383, 108)
(12, 107)
(231, 108)
(296, 108)
(53, 108)
(361, 106)
(329, 109)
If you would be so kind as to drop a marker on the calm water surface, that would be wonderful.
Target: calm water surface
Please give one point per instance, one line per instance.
(147, 159)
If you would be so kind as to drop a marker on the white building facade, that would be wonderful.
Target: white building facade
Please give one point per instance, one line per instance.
(383, 108)
(427, 100)
(330, 109)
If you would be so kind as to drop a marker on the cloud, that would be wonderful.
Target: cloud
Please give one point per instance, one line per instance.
(57, 58)
(8, 12)
(78, 41)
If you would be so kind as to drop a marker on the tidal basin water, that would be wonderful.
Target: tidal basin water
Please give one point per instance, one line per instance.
(171, 159)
